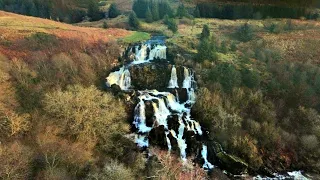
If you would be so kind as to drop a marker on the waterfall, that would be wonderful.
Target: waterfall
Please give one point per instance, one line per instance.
(140, 118)
(142, 55)
(161, 113)
(159, 52)
(187, 78)
(204, 153)
(164, 104)
(173, 83)
(121, 78)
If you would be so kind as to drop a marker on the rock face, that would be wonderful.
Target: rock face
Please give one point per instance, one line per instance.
(231, 163)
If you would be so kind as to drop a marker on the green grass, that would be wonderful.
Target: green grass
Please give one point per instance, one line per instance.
(136, 37)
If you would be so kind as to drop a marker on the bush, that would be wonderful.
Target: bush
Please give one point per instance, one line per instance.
(87, 113)
(244, 33)
(41, 40)
(273, 28)
(309, 142)
(251, 78)
(15, 161)
(105, 25)
(172, 25)
(112, 171)
(227, 75)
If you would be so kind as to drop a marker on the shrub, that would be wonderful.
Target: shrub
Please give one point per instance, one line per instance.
(87, 113)
(251, 78)
(227, 75)
(112, 171)
(41, 40)
(244, 33)
(273, 28)
(61, 154)
(309, 142)
(224, 47)
(15, 161)
(105, 25)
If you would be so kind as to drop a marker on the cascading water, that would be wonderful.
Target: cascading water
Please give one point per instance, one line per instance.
(148, 52)
(121, 78)
(165, 105)
(173, 83)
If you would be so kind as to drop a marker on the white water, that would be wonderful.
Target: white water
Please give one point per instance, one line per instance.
(173, 83)
(141, 53)
(204, 153)
(121, 78)
(295, 175)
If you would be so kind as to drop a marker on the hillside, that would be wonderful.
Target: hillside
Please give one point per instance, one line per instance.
(16, 29)
(220, 90)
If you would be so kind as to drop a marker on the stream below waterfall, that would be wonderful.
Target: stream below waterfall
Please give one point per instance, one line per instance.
(166, 104)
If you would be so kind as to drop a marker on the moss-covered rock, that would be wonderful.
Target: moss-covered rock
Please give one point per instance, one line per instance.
(226, 161)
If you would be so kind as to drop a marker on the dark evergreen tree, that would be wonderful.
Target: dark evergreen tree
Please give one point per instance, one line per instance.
(33, 10)
(196, 12)
(227, 75)
(155, 11)
(245, 33)
(172, 25)
(149, 17)
(181, 11)
(166, 19)
(140, 7)
(133, 20)
(93, 11)
(205, 34)
(165, 9)
(113, 11)
(206, 51)
(250, 78)
(1, 4)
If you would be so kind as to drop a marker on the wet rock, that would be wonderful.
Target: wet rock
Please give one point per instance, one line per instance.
(150, 76)
(173, 123)
(115, 89)
(157, 137)
(149, 113)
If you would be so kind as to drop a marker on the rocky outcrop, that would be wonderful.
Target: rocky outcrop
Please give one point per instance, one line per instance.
(231, 163)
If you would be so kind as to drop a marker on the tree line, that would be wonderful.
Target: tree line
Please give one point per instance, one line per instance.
(249, 11)
(69, 12)
(151, 9)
